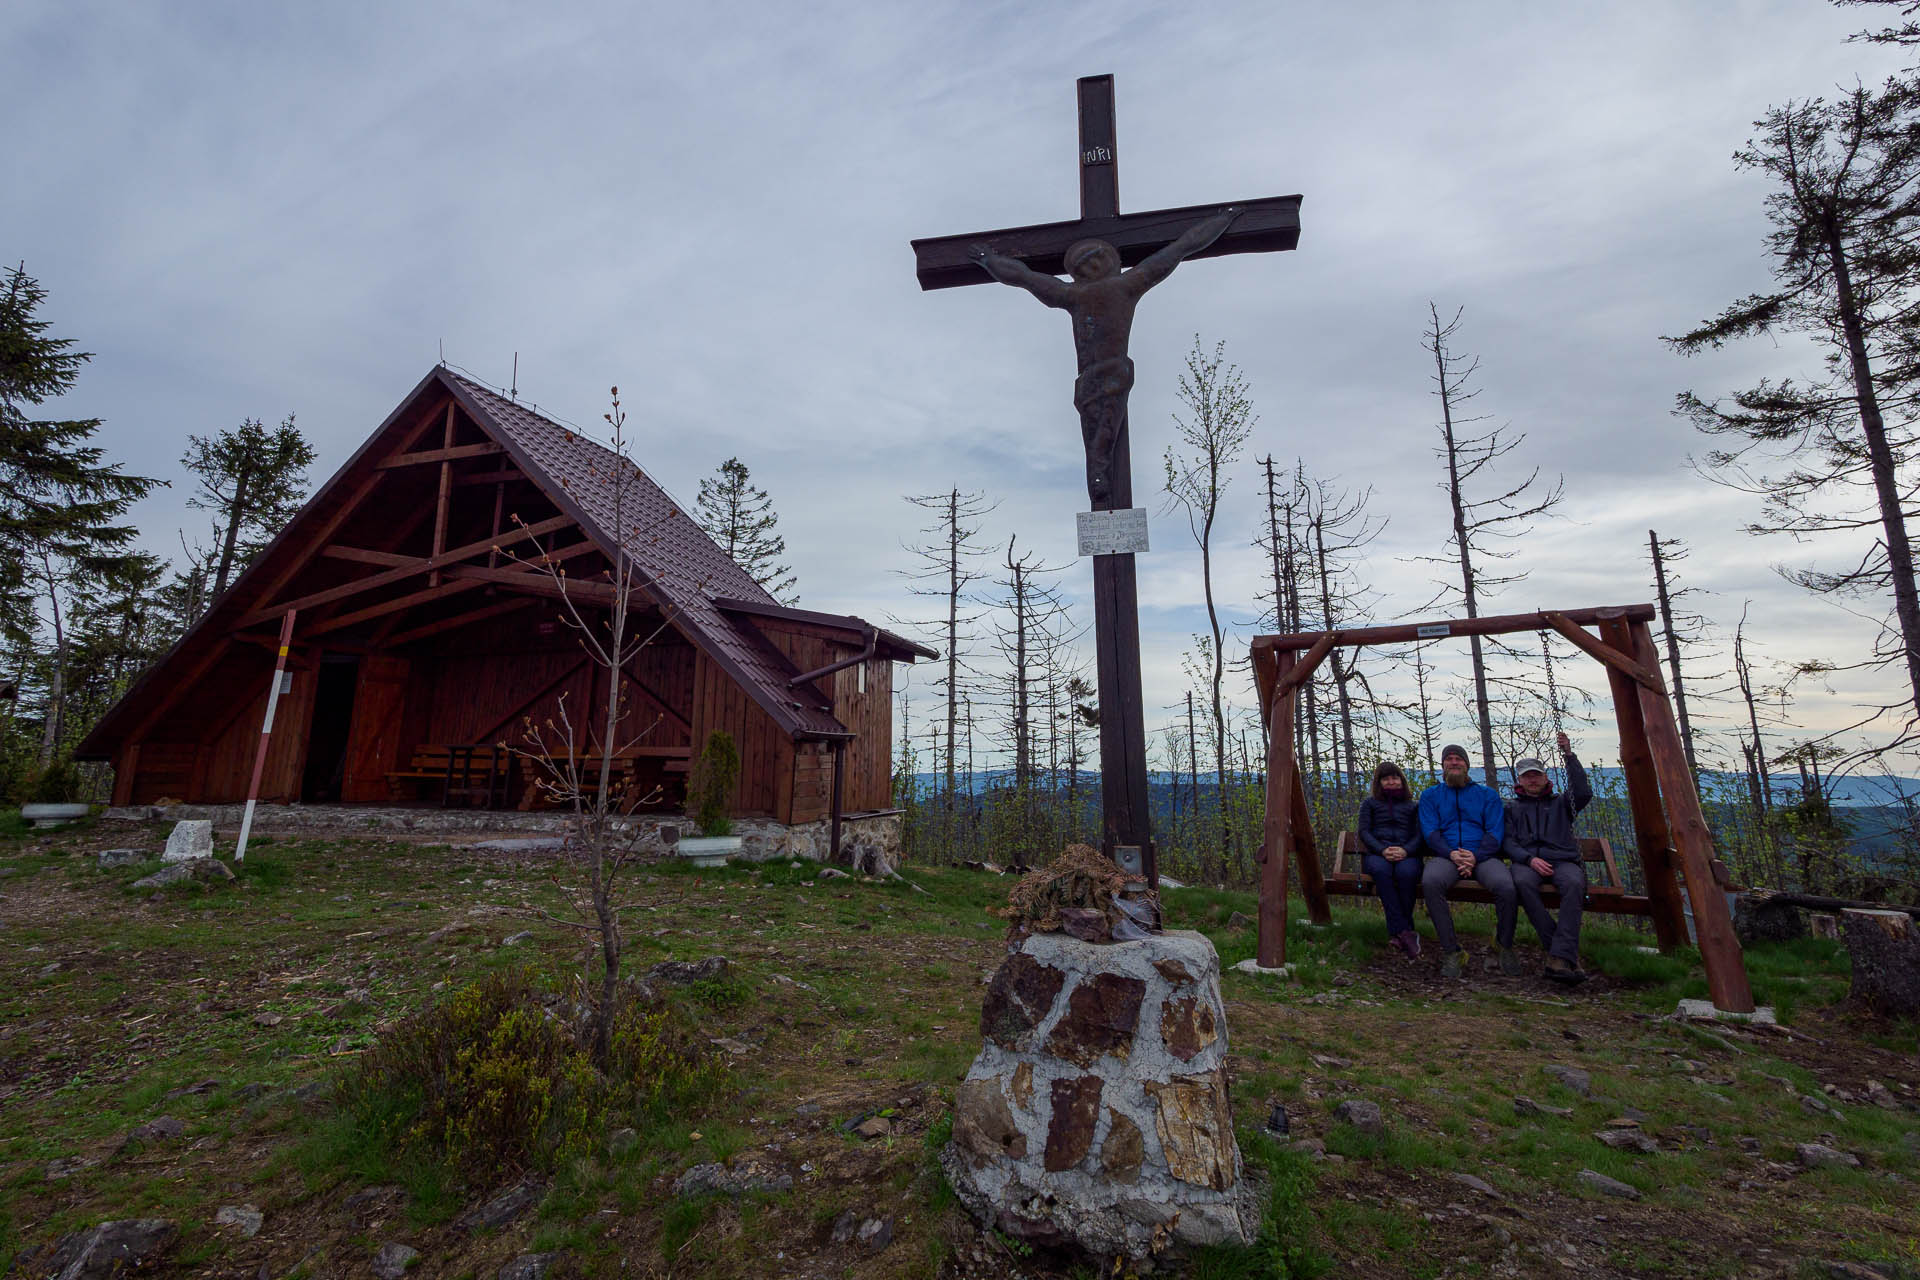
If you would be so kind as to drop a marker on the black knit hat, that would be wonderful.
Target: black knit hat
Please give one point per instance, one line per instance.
(1455, 749)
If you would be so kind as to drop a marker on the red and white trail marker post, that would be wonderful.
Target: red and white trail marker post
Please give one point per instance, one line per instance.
(266, 733)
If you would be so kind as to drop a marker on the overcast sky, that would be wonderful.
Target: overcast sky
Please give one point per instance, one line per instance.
(249, 210)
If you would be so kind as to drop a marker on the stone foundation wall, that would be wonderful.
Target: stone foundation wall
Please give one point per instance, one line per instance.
(762, 840)
(1096, 1114)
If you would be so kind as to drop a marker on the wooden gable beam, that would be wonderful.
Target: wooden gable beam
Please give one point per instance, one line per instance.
(460, 620)
(417, 566)
(516, 579)
(446, 454)
(507, 476)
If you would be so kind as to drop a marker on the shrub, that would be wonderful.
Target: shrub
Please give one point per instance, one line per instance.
(58, 783)
(491, 1081)
(710, 784)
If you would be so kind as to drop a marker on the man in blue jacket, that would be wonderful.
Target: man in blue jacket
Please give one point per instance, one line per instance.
(1464, 822)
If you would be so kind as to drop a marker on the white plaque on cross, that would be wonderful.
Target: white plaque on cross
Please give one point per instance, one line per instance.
(1112, 533)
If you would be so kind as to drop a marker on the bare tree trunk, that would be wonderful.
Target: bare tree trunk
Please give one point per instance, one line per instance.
(236, 516)
(57, 677)
(1457, 500)
(1886, 478)
(1745, 676)
(1673, 652)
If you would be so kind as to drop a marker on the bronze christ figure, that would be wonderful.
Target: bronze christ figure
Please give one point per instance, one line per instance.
(1101, 298)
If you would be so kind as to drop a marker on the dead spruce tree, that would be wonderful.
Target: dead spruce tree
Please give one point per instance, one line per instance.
(1482, 518)
(1213, 427)
(1830, 455)
(1681, 628)
(947, 565)
(573, 756)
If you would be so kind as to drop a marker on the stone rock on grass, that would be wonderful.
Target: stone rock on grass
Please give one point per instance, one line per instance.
(189, 841)
(243, 1218)
(873, 1127)
(528, 1266)
(1528, 1107)
(393, 1260)
(1573, 1078)
(718, 1180)
(1606, 1186)
(623, 1140)
(110, 1249)
(108, 859)
(680, 974)
(1238, 920)
(1756, 919)
(205, 870)
(875, 1233)
(165, 1129)
(1364, 1116)
(67, 1166)
(1815, 1155)
(1629, 1140)
(1472, 1183)
(503, 1209)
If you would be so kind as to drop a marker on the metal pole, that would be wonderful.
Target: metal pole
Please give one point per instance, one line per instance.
(266, 733)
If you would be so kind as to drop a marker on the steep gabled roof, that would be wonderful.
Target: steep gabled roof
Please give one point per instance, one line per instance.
(677, 564)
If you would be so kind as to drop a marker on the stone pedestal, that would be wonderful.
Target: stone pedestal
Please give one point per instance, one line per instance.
(189, 839)
(1096, 1114)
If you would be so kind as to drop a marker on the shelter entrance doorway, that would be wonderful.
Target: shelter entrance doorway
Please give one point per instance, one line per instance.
(337, 677)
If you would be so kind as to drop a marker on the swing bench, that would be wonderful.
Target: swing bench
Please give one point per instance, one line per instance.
(1677, 860)
(1606, 892)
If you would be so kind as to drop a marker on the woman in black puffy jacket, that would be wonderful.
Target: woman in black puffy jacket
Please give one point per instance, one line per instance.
(1390, 845)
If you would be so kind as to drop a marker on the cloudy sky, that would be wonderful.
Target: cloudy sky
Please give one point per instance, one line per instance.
(250, 210)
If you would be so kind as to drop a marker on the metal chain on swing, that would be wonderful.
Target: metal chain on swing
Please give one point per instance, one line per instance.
(1553, 690)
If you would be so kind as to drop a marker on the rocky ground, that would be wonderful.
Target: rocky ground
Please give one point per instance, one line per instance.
(166, 1057)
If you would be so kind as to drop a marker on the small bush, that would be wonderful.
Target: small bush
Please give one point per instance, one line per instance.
(58, 783)
(710, 786)
(492, 1082)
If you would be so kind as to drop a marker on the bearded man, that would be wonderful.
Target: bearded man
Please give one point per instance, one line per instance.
(1464, 823)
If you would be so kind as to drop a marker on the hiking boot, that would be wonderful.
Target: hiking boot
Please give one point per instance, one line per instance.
(1510, 963)
(1410, 943)
(1455, 965)
(1398, 942)
(1560, 971)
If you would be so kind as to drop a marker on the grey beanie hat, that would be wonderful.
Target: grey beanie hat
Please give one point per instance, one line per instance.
(1455, 749)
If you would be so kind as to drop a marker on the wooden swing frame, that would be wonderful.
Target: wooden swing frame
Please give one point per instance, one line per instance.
(1669, 826)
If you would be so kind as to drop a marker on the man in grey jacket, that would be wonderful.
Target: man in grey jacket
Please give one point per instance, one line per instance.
(1539, 842)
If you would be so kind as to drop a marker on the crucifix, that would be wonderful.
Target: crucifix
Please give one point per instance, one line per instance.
(1097, 251)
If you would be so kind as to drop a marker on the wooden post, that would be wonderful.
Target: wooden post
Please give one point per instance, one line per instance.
(266, 734)
(446, 495)
(1277, 843)
(1306, 850)
(1643, 796)
(1712, 922)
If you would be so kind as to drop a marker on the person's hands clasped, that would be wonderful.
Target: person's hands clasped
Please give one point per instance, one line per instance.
(1541, 867)
(1462, 862)
(1393, 853)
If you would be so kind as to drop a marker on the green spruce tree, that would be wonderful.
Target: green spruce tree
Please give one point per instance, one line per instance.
(61, 502)
(253, 480)
(738, 514)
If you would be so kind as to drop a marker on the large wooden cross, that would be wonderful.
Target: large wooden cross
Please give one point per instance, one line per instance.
(1102, 309)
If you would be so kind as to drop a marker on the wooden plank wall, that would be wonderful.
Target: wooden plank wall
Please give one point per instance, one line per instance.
(812, 782)
(869, 782)
(223, 768)
(765, 749)
(163, 771)
(869, 715)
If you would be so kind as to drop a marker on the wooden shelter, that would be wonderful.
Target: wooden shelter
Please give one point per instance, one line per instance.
(424, 638)
(1669, 828)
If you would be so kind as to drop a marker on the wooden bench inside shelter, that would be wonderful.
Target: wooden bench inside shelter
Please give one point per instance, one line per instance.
(639, 771)
(469, 773)
(1606, 892)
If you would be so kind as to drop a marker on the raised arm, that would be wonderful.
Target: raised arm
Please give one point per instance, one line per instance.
(1158, 266)
(1051, 290)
